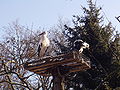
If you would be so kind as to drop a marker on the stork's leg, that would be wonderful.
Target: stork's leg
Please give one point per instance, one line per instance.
(45, 51)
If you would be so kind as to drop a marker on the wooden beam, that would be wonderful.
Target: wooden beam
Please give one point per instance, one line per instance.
(46, 65)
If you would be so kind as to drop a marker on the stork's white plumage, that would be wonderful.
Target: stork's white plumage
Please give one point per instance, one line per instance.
(80, 45)
(43, 44)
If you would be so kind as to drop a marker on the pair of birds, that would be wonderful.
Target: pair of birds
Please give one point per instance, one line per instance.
(44, 43)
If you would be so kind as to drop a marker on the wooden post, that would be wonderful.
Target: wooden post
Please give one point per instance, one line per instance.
(57, 79)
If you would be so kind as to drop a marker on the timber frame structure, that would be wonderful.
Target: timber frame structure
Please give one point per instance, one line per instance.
(59, 66)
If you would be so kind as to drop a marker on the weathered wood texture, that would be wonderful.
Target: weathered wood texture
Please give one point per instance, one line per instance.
(72, 62)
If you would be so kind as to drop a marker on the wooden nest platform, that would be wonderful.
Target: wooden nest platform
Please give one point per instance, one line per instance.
(67, 63)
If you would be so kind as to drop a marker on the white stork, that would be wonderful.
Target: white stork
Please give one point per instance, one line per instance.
(43, 44)
(80, 45)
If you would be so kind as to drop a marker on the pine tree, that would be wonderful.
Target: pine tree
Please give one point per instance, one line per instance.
(104, 51)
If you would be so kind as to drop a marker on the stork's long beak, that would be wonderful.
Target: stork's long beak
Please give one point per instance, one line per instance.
(88, 48)
(41, 33)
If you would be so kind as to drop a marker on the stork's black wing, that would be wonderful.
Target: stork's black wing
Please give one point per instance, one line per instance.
(39, 48)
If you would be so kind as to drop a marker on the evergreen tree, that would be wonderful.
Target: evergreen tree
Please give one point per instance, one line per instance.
(104, 51)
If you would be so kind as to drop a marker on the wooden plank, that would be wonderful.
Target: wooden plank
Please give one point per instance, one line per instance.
(37, 67)
(79, 65)
(73, 68)
(43, 74)
(45, 68)
(41, 69)
(75, 63)
(50, 66)
(79, 69)
(28, 65)
(47, 58)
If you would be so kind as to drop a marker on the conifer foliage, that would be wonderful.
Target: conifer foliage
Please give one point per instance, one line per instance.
(104, 51)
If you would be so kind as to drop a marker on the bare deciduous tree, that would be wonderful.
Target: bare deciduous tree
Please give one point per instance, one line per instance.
(19, 46)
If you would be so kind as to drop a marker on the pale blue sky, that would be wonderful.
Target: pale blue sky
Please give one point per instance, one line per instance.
(45, 13)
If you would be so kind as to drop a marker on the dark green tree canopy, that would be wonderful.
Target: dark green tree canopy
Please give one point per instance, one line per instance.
(104, 50)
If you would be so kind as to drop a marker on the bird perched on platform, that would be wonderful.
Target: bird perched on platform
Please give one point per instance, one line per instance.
(80, 45)
(43, 45)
